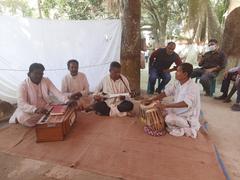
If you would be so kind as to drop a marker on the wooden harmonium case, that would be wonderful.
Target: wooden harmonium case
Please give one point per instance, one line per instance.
(56, 124)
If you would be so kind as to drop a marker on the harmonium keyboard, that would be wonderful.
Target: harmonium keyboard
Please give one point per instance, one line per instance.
(56, 124)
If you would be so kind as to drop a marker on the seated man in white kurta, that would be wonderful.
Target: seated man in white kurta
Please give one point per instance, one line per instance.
(33, 97)
(75, 84)
(183, 114)
(114, 83)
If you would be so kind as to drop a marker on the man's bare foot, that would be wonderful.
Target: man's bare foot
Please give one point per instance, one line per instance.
(88, 109)
(131, 114)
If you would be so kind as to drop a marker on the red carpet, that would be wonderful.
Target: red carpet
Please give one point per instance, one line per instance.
(118, 147)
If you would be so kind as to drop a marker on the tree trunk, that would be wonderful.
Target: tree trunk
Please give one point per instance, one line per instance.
(162, 36)
(231, 38)
(162, 32)
(156, 37)
(214, 28)
(131, 42)
(39, 9)
(163, 19)
(202, 21)
(199, 33)
(158, 12)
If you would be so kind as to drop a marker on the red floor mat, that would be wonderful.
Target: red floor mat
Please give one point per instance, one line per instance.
(119, 147)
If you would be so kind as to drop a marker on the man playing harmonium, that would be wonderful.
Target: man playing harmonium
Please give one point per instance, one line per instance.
(33, 97)
(75, 84)
(183, 114)
(112, 94)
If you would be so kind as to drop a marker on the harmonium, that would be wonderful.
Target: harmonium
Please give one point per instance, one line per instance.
(56, 124)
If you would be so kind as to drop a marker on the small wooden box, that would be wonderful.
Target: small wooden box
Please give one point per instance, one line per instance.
(55, 128)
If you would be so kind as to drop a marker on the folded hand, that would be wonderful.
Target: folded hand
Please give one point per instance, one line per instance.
(76, 96)
(122, 98)
(98, 98)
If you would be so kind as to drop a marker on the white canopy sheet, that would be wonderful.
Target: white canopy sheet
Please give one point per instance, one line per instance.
(95, 44)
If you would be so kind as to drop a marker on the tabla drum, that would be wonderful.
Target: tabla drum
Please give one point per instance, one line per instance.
(153, 120)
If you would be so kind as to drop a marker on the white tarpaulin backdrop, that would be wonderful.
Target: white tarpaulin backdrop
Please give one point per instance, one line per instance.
(95, 44)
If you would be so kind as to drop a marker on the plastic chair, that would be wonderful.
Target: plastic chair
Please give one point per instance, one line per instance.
(212, 85)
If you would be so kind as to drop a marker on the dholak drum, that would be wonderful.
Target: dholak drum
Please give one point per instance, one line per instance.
(152, 119)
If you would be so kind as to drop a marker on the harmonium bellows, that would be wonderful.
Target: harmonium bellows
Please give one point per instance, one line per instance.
(55, 127)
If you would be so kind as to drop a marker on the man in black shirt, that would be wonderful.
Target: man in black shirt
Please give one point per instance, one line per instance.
(211, 64)
(159, 64)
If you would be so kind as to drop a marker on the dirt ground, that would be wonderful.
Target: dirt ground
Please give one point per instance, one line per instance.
(20, 168)
(224, 131)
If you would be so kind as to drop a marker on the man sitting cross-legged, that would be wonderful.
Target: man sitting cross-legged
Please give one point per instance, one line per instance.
(183, 114)
(33, 97)
(75, 85)
(114, 83)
